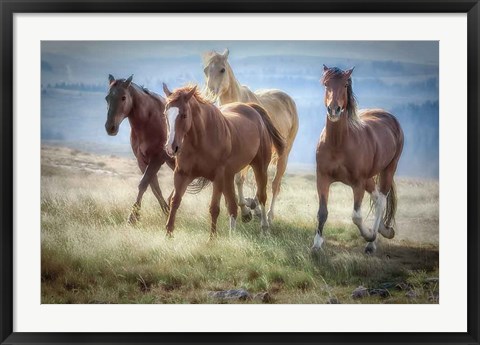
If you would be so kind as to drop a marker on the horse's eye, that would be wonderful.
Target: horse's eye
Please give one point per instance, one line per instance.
(124, 98)
(222, 70)
(184, 116)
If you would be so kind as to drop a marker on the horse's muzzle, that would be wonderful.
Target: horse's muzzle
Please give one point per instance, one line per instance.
(172, 150)
(111, 129)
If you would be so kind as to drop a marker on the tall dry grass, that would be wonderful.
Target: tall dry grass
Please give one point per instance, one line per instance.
(91, 255)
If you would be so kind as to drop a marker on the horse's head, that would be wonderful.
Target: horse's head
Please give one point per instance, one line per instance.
(216, 70)
(338, 89)
(179, 117)
(119, 101)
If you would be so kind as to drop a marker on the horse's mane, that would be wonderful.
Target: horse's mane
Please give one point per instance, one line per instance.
(199, 95)
(141, 88)
(351, 109)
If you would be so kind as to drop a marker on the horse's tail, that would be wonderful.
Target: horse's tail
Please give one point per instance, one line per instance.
(197, 185)
(391, 207)
(277, 138)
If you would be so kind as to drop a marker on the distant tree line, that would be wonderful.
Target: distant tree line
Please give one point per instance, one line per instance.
(77, 87)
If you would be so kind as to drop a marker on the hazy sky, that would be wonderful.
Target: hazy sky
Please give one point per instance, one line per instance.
(422, 52)
(399, 76)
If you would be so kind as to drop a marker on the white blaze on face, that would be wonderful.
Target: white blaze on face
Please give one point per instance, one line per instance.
(172, 114)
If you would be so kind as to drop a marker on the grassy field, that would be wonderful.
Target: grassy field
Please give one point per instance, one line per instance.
(91, 255)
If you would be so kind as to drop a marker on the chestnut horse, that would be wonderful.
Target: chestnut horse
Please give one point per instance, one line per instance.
(215, 144)
(221, 81)
(145, 112)
(355, 149)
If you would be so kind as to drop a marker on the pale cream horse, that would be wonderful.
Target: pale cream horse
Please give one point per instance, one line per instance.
(221, 81)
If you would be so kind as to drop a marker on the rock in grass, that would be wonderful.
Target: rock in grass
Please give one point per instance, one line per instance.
(379, 292)
(360, 292)
(234, 294)
(263, 296)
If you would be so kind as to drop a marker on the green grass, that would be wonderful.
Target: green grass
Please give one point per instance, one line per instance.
(91, 255)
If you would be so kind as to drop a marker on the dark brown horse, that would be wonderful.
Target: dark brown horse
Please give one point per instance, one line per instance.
(355, 149)
(215, 144)
(145, 112)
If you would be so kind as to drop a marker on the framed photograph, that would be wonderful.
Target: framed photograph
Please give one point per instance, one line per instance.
(239, 172)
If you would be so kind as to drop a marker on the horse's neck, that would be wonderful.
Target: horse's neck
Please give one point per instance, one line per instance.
(234, 92)
(141, 107)
(205, 117)
(336, 132)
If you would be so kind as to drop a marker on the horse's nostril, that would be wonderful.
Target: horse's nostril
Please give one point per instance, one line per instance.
(338, 110)
(176, 149)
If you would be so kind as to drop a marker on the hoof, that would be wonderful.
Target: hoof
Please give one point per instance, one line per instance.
(370, 248)
(169, 235)
(246, 217)
(251, 203)
(134, 218)
(387, 232)
(165, 208)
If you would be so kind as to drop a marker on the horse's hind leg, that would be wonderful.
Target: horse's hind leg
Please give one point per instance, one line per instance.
(277, 180)
(215, 203)
(158, 194)
(261, 177)
(239, 181)
(150, 173)
(232, 207)
(357, 218)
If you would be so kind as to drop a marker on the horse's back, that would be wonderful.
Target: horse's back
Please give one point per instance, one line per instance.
(381, 119)
(281, 108)
(384, 129)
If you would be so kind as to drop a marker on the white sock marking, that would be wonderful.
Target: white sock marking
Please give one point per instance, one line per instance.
(233, 224)
(379, 209)
(318, 241)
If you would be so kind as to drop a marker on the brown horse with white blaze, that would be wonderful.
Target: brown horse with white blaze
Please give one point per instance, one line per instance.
(355, 148)
(145, 112)
(214, 144)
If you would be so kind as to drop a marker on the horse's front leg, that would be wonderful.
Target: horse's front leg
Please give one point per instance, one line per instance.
(323, 187)
(148, 175)
(181, 182)
(357, 218)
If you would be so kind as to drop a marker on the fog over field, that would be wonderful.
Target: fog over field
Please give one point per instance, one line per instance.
(401, 77)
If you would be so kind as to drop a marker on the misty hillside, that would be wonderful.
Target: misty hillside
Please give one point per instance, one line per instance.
(74, 87)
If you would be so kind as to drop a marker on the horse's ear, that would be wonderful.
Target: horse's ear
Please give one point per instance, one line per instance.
(166, 90)
(348, 72)
(128, 81)
(111, 78)
(325, 68)
(225, 53)
(190, 93)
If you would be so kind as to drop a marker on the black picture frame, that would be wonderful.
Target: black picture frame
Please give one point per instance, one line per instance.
(9, 8)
